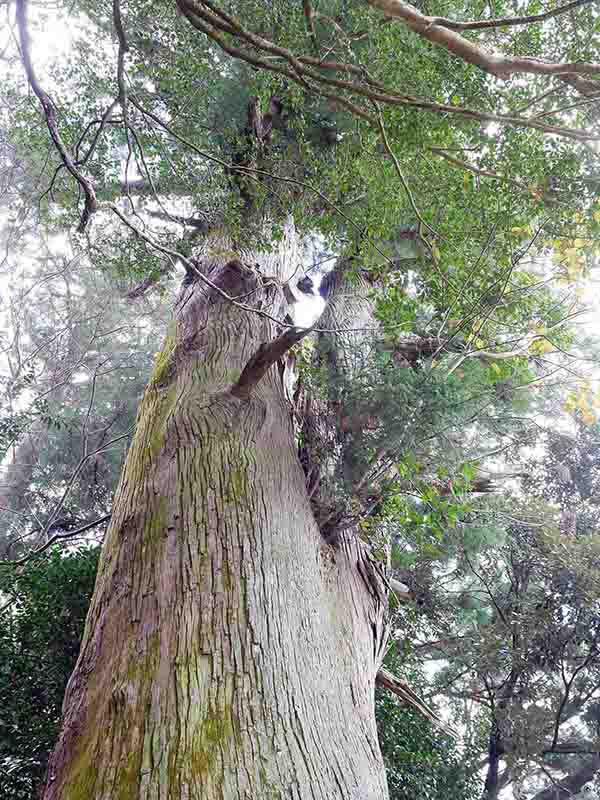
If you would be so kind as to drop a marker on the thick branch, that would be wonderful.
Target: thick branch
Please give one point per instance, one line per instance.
(439, 33)
(314, 79)
(264, 358)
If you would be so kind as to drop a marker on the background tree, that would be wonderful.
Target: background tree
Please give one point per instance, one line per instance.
(39, 640)
(66, 415)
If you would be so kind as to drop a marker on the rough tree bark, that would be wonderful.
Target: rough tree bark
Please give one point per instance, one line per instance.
(229, 652)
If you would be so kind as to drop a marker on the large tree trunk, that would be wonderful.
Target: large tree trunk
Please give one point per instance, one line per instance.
(229, 652)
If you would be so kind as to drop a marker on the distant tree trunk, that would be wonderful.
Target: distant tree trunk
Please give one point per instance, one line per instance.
(495, 751)
(496, 746)
(228, 652)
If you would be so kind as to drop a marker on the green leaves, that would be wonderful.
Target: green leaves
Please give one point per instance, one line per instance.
(428, 509)
(420, 761)
(44, 605)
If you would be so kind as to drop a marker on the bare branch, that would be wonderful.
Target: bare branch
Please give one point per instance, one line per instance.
(502, 22)
(91, 203)
(566, 788)
(83, 461)
(68, 535)
(402, 690)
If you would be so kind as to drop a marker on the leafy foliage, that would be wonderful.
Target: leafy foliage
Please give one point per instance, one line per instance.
(420, 761)
(44, 606)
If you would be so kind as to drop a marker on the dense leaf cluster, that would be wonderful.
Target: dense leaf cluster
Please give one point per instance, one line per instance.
(43, 607)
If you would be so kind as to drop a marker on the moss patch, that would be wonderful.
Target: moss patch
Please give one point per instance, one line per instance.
(164, 365)
(214, 733)
(237, 486)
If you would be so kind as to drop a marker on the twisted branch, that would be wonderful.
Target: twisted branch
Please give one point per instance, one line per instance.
(91, 203)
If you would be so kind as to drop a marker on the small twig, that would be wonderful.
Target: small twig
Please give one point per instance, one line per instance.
(84, 435)
(538, 98)
(73, 478)
(403, 180)
(487, 589)
(484, 173)
(101, 123)
(123, 97)
(148, 173)
(591, 100)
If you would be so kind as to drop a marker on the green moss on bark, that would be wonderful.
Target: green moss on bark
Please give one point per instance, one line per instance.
(164, 365)
(213, 735)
